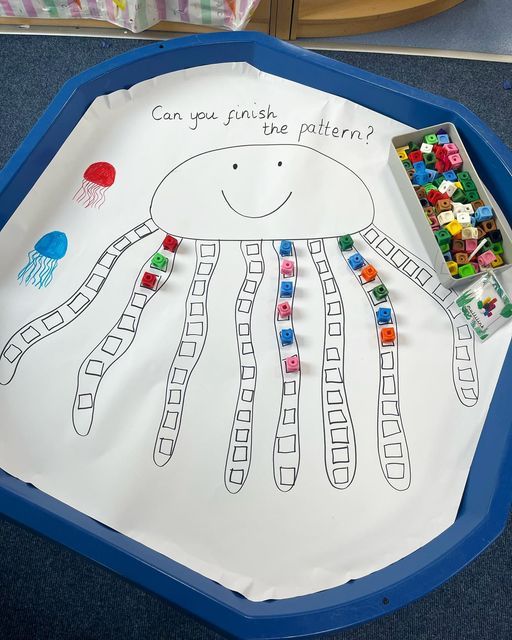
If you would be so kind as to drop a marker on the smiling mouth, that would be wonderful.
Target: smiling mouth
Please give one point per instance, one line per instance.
(263, 215)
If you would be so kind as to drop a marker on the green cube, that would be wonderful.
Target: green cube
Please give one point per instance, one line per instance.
(460, 196)
(412, 147)
(463, 175)
(158, 261)
(468, 185)
(430, 138)
(438, 181)
(443, 236)
(430, 160)
(345, 242)
(445, 247)
(466, 270)
(497, 248)
(380, 292)
(428, 187)
(407, 165)
(472, 195)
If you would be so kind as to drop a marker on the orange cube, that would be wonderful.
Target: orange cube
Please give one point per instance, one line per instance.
(387, 334)
(369, 273)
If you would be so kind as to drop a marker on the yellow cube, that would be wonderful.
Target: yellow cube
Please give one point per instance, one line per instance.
(497, 262)
(458, 185)
(453, 267)
(398, 149)
(454, 227)
(402, 155)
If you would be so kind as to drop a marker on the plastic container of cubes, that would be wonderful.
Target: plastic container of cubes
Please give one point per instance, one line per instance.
(419, 218)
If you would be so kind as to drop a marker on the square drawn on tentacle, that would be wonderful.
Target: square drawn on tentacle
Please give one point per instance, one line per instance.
(107, 260)
(252, 249)
(423, 277)
(111, 345)
(171, 419)
(390, 428)
(289, 416)
(244, 306)
(387, 360)
(339, 435)
(240, 454)
(286, 444)
(395, 471)
(333, 375)
(204, 268)
(393, 450)
(174, 396)
(198, 288)
(243, 416)
(247, 348)
(250, 286)
(242, 435)
(335, 329)
(30, 334)
(399, 258)
(340, 475)
(371, 235)
(334, 308)
(194, 329)
(385, 246)
(388, 385)
(315, 247)
(78, 302)
(165, 447)
(255, 266)
(207, 250)
(11, 353)
(53, 320)
(127, 322)
(247, 395)
(290, 388)
(463, 332)
(178, 375)
(390, 408)
(243, 329)
(248, 373)
(287, 476)
(462, 353)
(122, 244)
(187, 349)
(85, 401)
(334, 397)
(236, 476)
(332, 353)
(95, 282)
(329, 285)
(94, 368)
(139, 300)
(340, 455)
(196, 309)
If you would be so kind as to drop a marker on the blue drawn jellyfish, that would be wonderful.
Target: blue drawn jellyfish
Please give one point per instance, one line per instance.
(43, 259)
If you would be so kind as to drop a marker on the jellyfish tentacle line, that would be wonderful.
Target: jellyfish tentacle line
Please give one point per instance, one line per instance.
(391, 439)
(97, 178)
(43, 259)
(56, 319)
(238, 460)
(464, 365)
(115, 344)
(340, 451)
(286, 454)
(190, 348)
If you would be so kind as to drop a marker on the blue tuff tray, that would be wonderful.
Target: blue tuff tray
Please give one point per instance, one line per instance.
(488, 492)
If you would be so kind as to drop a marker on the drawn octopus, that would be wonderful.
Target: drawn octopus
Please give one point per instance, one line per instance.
(305, 214)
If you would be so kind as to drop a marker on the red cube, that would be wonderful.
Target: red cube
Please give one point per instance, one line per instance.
(170, 243)
(149, 281)
(416, 156)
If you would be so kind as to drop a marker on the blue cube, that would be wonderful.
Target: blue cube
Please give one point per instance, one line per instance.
(420, 178)
(448, 256)
(450, 175)
(443, 138)
(484, 213)
(285, 248)
(286, 289)
(286, 336)
(356, 261)
(432, 174)
(472, 219)
(383, 315)
(419, 167)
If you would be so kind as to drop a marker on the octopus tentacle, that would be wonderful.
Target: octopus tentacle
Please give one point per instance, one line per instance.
(238, 460)
(55, 320)
(391, 438)
(339, 438)
(193, 338)
(115, 344)
(286, 457)
(464, 367)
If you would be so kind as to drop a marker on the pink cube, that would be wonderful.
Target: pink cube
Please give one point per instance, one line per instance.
(451, 148)
(287, 268)
(455, 161)
(292, 364)
(284, 310)
(485, 259)
(475, 265)
(471, 245)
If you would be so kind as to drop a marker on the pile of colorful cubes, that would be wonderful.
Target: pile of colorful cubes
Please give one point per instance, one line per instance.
(464, 226)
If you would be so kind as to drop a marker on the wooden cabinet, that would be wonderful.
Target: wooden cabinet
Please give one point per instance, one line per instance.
(290, 19)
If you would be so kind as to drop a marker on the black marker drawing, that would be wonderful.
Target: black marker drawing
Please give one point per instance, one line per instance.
(210, 199)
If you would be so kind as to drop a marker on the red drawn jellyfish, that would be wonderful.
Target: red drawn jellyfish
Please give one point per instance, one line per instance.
(98, 177)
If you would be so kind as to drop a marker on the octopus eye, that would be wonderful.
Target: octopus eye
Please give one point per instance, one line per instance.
(279, 164)
(235, 166)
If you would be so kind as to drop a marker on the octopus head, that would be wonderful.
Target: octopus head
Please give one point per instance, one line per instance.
(264, 192)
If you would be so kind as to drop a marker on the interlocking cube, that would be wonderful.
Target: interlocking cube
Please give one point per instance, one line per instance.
(455, 161)
(387, 335)
(445, 217)
(292, 364)
(454, 227)
(286, 336)
(158, 261)
(149, 281)
(463, 218)
(380, 292)
(466, 270)
(453, 268)
(285, 248)
(170, 243)
(345, 242)
(369, 273)
(287, 268)
(426, 148)
(356, 261)
(484, 213)
(486, 258)
(383, 315)
(451, 149)
(461, 258)
(471, 245)
(447, 187)
(286, 289)
(284, 310)
(470, 233)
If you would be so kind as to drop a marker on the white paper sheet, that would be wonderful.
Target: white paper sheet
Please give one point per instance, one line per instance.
(270, 492)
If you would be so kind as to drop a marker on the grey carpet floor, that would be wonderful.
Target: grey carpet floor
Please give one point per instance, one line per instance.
(48, 592)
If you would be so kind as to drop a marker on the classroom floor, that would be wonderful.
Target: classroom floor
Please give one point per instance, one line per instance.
(47, 591)
(474, 25)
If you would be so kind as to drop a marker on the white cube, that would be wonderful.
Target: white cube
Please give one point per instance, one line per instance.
(426, 148)
(469, 233)
(469, 209)
(447, 187)
(458, 207)
(445, 217)
(463, 218)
